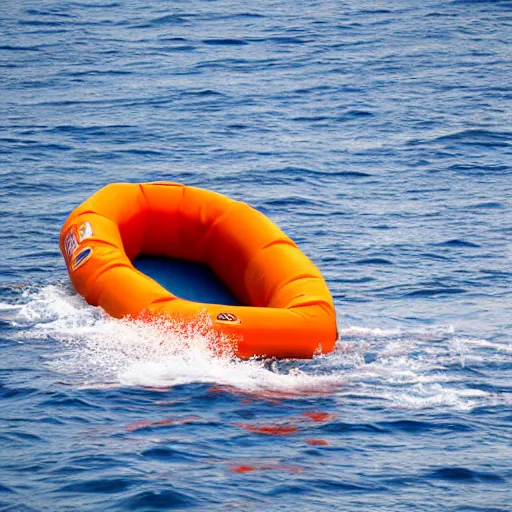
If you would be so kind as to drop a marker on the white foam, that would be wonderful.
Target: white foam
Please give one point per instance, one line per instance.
(463, 344)
(354, 331)
(56, 308)
(412, 369)
(434, 396)
(156, 355)
(8, 312)
(100, 349)
(9, 307)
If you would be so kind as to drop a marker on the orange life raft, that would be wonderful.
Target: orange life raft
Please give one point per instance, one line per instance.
(288, 311)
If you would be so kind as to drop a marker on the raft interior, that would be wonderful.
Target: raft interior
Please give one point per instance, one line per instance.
(187, 280)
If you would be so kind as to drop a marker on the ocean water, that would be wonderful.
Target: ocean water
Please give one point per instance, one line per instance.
(378, 136)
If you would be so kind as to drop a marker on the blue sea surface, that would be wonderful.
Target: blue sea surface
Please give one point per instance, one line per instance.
(378, 135)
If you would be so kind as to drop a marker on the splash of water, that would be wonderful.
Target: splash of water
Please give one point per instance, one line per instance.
(158, 354)
(407, 369)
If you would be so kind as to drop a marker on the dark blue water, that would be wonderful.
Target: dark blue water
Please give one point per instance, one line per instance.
(378, 136)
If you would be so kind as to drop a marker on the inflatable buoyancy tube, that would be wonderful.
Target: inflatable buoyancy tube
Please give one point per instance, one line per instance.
(287, 309)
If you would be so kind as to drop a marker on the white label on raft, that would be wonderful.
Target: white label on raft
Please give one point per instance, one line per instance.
(84, 231)
(70, 244)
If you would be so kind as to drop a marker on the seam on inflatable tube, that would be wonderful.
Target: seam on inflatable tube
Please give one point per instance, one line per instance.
(219, 219)
(159, 300)
(283, 241)
(288, 281)
(322, 303)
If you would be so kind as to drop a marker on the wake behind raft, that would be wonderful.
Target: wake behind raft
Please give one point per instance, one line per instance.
(281, 308)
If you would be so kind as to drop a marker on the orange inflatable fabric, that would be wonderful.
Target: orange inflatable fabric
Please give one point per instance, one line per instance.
(288, 311)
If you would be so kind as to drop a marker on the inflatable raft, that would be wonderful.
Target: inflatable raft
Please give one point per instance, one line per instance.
(274, 303)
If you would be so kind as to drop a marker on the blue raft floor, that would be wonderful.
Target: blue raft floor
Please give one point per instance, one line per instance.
(191, 281)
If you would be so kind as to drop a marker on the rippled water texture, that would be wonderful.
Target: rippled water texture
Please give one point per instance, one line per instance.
(378, 136)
